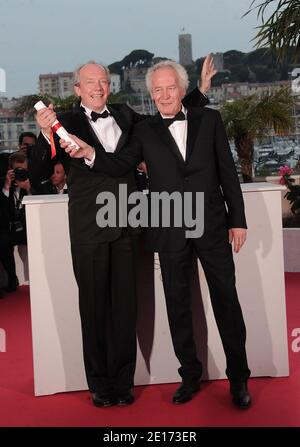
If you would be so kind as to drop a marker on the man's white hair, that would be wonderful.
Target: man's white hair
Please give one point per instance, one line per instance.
(76, 73)
(180, 70)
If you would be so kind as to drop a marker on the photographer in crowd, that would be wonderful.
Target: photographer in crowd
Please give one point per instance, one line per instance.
(16, 186)
(26, 141)
(55, 184)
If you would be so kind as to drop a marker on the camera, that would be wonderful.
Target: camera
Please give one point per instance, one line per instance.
(21, 174)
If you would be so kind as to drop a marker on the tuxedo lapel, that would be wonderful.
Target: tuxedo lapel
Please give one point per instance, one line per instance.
(122, 123)
(165, 136)
(83, 126)
(194, 118)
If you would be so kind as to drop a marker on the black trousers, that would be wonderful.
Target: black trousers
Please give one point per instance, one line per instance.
(218, 266)
(7, 255)
(106, 278)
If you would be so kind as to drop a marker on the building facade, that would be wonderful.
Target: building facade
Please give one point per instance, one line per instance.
(218, 62)
(61, 84)
(12, 126)
(115, 83)
(238, 90)
(57, 84)
(185, 49)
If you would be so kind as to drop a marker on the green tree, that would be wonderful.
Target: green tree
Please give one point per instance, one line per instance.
(122, 97)
(281, 30)
(193, 76)
(265, 74)
(250, 118)
(233, 57)
(136, 57)
(239, 73)
(25, 105)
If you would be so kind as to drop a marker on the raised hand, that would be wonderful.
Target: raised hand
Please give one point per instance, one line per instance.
(207, 73)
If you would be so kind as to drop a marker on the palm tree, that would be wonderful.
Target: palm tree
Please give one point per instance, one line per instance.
(281, 30)
(25, 105)
(251, 118)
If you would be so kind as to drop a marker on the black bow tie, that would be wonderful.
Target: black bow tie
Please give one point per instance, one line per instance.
(180, 116)
(95, 115)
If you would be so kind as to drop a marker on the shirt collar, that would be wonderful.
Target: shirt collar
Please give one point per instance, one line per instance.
(89, 111)
(183, 109)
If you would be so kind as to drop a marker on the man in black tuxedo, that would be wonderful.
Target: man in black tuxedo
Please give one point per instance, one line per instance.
(186, 151)
(103, 258)
(56, 184)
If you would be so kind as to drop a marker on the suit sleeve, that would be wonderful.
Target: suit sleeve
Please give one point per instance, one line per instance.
(228, 177)
(195, 99)
(40, 163)
(117, 165)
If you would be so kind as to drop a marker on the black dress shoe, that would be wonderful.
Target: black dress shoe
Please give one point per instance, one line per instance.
(106, 400)
(125, 398)
(240, 395)
(185, 392)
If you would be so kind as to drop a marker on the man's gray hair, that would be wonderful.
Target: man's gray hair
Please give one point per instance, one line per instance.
(76, 73)
(180, 70)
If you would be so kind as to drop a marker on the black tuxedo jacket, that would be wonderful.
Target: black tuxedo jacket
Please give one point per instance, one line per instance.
(13, 207)
(14, 212)
(208, 168)
(4, 212)
(85, 184)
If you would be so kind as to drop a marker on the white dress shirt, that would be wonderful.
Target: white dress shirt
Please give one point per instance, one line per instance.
(62, 190)
(107, 131)
(178, 131)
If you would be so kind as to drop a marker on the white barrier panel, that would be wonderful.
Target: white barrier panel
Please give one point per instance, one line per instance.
(21, 260)
(57, 345)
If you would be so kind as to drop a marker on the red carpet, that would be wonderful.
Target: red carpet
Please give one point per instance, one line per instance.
(276, 402)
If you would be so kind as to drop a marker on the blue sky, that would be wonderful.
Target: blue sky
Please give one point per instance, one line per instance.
(39, 36)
